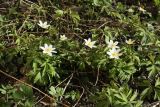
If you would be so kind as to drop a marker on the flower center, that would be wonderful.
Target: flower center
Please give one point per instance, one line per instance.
(115, 54)
(89, 44)
(113, 45)
(48, 49)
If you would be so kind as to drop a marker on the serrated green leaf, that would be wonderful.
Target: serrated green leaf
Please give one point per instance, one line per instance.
(52, 91)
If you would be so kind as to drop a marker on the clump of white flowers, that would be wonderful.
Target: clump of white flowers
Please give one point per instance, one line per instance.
(48, 49)
(63, 37)
(114, 51)
(90, 43)
(43, 25)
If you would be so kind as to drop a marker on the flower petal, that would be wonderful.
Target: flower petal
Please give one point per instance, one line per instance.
(41, 47)
(45, 45)
(45, 23)
(116, 43)
(50, 54)
(50, 46)
(54, 51)
(40, 22)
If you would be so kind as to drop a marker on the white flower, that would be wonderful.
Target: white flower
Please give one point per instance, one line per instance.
(43, 25)
(130, 41)
(63, 37)
(141, 9)
(112, 44)
(130, 10)
(90, 43)
(114, 53)
(48, 49)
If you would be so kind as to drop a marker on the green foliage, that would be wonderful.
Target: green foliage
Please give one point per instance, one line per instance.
(117, 96)
(76, 37)
(157, 2)
(43, 72)
(20, 95)
(58, 93)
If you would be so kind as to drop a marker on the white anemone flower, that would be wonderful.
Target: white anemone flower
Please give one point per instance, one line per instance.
(141, 9)
(130, 10)
(63, 37)
(114, 53)
(112, 44)
(43, 25)
(48, 49)
(130, 41)
(90, 43)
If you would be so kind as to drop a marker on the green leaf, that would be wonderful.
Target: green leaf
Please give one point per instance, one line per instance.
(52, 70)
(152, 70)
(75, 17)
(124, 97)
(27, 90)
(59, 91)
(144, 93)
(44, 69)
(157, 93)
(139, 104)
(18, 95)
(3, 91)
(52, 91)
(157, 84)
(52, 31)
(37, 77)
(96, 2)
(134, 96)
(137, 59)
(59, 13)
(34, 67)
(18, 41)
